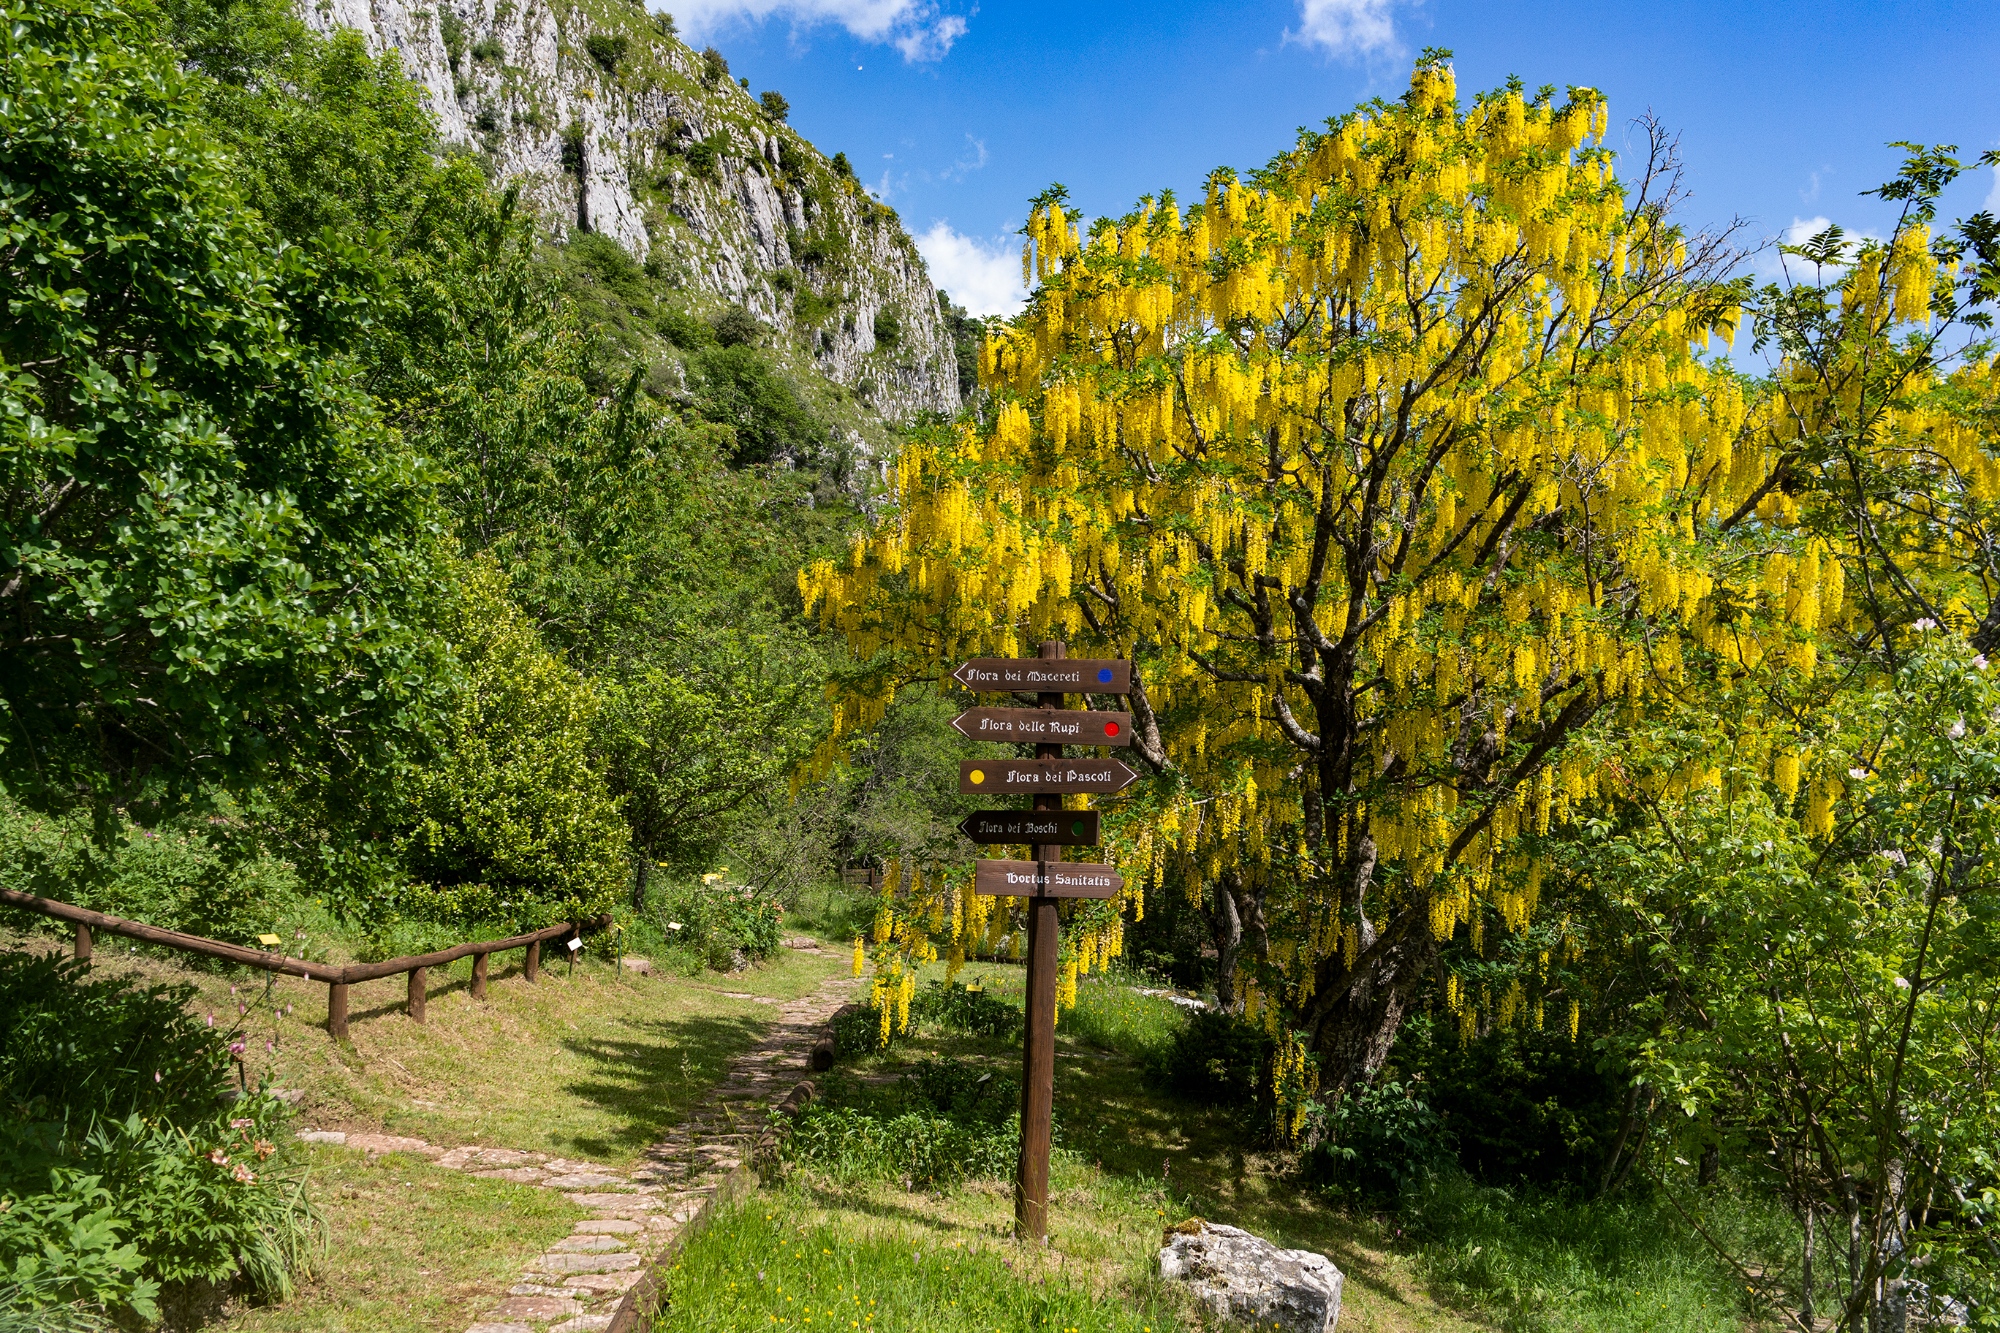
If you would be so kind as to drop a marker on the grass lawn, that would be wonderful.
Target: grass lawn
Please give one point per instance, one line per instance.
(593, 1064)
(807, 1255)
(415, 1249)
(1131, 1158)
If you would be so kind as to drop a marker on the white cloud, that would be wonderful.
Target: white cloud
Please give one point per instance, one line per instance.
(1346, 27)
(1773, 265)
(923, 44)
(967, 163)
(914, 27)
(981, 275)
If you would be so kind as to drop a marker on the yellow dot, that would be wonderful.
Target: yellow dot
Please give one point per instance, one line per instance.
(978, 776)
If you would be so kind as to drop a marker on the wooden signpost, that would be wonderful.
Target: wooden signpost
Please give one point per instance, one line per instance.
(1059, 725)
(1013, 879)
(1045, 881)
(1040, 675)
(1063, 828)
(976, 777)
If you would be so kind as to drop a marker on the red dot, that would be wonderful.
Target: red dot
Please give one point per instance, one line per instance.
(1111, 728)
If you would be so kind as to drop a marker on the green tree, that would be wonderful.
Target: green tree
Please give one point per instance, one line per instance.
(214, 554)
(512, 821)
(689, 750)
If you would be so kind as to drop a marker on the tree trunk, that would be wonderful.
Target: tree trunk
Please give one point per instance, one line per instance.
(1806, 1268)
(1354, 1031)
(1227, 924)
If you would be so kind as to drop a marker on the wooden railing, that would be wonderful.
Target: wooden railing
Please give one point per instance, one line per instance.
(337, 979)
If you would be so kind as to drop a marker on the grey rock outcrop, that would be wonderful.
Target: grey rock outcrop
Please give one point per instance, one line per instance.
(1246, 1279)
(608, 124)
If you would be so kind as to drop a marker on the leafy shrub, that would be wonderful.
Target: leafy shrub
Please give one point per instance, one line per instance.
(512, 822)
(842, 167)
(737, 327)
(1524, 1106)
(1217, 1058)
(776, 109)
(703, 154)
(925, 1151)
(126, 1169)
(205, 874)
(966, 1008)
(687, 331)
(452, 28)
(713, 67)
(607, 49)
(944, 1122)
(487, 49)
(810, 308)
(1375, 1141)
(857, 1031)
(65, 1248)
(76, 1045)
(719, 926)
(888, 328)
(744, 391)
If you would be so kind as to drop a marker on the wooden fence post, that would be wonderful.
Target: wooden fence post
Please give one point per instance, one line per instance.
(336, 1010)
(479, 975)
(417, 979)
(531, 967)
(82, 943)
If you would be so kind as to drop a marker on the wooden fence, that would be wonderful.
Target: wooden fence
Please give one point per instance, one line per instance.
(337, 979)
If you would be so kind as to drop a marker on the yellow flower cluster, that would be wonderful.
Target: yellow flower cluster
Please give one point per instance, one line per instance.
(1405, 451)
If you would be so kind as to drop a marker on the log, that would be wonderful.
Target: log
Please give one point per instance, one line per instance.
(336, 1011)
(479, 975)
(418, 978)
(82, 942)
(531, 966)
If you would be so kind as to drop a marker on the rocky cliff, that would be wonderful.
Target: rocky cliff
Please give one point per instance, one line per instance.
(610, 124)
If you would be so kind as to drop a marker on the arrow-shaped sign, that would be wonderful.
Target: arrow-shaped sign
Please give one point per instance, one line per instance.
(1047, 879)
(1045, 726)
(978, 776)
(1070, 675)
(1044, 828)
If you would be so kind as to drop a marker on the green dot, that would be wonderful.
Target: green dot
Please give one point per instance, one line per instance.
(1076, 829)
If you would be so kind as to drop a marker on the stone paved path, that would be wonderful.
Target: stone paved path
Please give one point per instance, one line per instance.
(576, 1285)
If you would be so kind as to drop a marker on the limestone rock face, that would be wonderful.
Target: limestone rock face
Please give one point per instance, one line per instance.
(610, 125)
(1246, 1279)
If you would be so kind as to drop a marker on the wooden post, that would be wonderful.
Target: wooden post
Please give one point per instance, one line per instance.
(479, 975)
(82, 943)
(531, 966)
(336, 1010)
(1038, 1050)
(417, 983)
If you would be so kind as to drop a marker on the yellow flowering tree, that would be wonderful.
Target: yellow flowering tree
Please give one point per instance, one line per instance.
(1393, 466)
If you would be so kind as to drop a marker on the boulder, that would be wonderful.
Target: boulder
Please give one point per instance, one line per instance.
(1246, 1279)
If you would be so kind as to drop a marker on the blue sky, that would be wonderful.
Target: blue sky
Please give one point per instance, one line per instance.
(957, 112)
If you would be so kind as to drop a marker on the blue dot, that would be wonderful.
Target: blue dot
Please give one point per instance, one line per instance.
(1104, 675)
